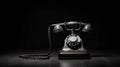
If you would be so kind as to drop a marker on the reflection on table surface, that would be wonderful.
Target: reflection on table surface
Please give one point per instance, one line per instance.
(99, 59)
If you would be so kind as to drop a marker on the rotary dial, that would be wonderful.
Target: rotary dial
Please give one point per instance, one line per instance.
(73, 41)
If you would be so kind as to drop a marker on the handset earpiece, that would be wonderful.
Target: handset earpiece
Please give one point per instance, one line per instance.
(57, 28)
(87, 28)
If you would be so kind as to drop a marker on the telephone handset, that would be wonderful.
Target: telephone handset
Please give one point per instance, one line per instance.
(72, 43)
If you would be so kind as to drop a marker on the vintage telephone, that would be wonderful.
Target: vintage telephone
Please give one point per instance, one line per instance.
(72, 42)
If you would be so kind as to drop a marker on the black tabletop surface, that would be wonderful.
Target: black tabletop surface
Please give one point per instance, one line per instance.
(98, 59)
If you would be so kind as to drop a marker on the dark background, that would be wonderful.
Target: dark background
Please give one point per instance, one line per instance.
(24, 29)
(26, 24)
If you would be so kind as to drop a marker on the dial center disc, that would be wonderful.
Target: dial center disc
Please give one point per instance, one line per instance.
(72, 38)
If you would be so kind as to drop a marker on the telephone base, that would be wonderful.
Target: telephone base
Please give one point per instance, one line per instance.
(74, 55)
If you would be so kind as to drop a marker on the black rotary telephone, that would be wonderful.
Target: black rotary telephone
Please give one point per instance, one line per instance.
(72, 43)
